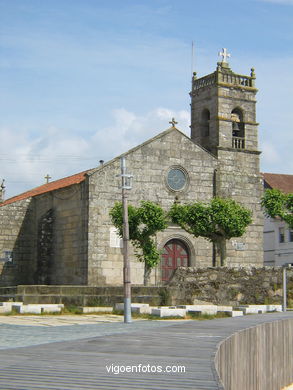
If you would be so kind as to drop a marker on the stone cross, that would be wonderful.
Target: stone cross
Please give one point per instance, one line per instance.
(224, 53)
(48, 177)
(173, 122)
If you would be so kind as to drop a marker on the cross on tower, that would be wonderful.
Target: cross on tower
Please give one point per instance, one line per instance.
(224, 53)
(48, 177)
(173, 122)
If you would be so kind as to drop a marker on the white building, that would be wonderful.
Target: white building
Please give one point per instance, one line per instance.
(278, 237)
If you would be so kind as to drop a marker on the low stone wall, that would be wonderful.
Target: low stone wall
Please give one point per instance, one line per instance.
(231, 286)
(258, 358)
(83, 295)
(219, 286)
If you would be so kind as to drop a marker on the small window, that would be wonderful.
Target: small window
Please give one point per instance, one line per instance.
(281, 234)
(290, 235)
(205, 123)
(7, 257)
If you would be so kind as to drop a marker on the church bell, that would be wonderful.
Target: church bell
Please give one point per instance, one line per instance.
(235, 127)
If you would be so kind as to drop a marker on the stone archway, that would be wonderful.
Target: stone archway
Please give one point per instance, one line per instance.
(175, 254)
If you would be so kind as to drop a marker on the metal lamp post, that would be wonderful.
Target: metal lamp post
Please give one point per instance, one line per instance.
(126, 185)
(285, 266)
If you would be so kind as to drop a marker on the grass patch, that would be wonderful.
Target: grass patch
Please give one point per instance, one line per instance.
(71, 310)
(201, 317)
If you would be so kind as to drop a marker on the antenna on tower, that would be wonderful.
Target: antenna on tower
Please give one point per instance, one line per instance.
(192, 57)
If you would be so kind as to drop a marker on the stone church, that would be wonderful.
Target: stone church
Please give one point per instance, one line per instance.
(61, 233)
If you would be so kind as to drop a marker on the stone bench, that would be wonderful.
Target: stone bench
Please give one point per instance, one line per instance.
(96, 309)
(37, 308)
(205, 309)
(6, 307)
(168, 312)
(259, 309)
(140, 308)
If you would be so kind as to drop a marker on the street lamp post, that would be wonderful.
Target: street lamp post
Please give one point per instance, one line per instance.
(126, 185)
(285, 266)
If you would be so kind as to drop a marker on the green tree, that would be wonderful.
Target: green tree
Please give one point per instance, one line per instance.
(277, 204)
(144, 222)
(218, 221)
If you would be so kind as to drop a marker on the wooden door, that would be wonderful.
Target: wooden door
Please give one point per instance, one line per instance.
(175, 254)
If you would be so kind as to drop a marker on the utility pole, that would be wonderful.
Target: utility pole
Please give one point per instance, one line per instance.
(126, 185)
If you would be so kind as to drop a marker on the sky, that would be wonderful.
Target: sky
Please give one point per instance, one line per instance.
(86, 80)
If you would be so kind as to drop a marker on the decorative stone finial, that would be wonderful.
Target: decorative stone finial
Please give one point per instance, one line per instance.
(252, 73)
(2, 191)
(224, 54)
(194, 76)
(173, 122)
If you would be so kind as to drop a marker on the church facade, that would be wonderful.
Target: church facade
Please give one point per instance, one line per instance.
(61, 233)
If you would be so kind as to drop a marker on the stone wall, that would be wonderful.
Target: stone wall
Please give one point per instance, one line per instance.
(65, 262)
(47, 236)
(84, 295)
(231, 285)
(17, 243)
(211, 285)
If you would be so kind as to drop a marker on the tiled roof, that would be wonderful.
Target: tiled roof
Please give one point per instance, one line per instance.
(54, 185)
(281, 182)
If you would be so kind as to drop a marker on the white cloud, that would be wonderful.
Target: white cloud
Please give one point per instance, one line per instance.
(270, 154)
(129, 129)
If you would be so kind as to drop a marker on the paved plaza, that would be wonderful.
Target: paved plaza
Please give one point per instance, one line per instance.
(89, 356)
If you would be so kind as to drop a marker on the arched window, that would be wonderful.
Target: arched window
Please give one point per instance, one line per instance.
(238, 131)
(205, 123)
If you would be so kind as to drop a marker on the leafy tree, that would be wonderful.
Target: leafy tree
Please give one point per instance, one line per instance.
(278, 204)
(144, 222)
(218, 221)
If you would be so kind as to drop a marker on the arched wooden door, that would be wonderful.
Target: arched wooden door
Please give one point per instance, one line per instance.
(175, 254)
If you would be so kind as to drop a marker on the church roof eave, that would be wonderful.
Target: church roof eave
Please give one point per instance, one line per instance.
(279, 181)
(48, 187)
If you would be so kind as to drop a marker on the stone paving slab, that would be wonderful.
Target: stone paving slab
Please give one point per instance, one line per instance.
(81, 363)
(59, 320)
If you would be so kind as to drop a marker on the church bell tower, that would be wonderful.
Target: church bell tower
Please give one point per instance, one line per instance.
(223, 121)
(223, 115)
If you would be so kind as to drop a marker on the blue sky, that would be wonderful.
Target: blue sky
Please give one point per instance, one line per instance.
(85, 80)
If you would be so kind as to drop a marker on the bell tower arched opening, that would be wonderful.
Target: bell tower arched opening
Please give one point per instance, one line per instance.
(238, 129)
(205, 123)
